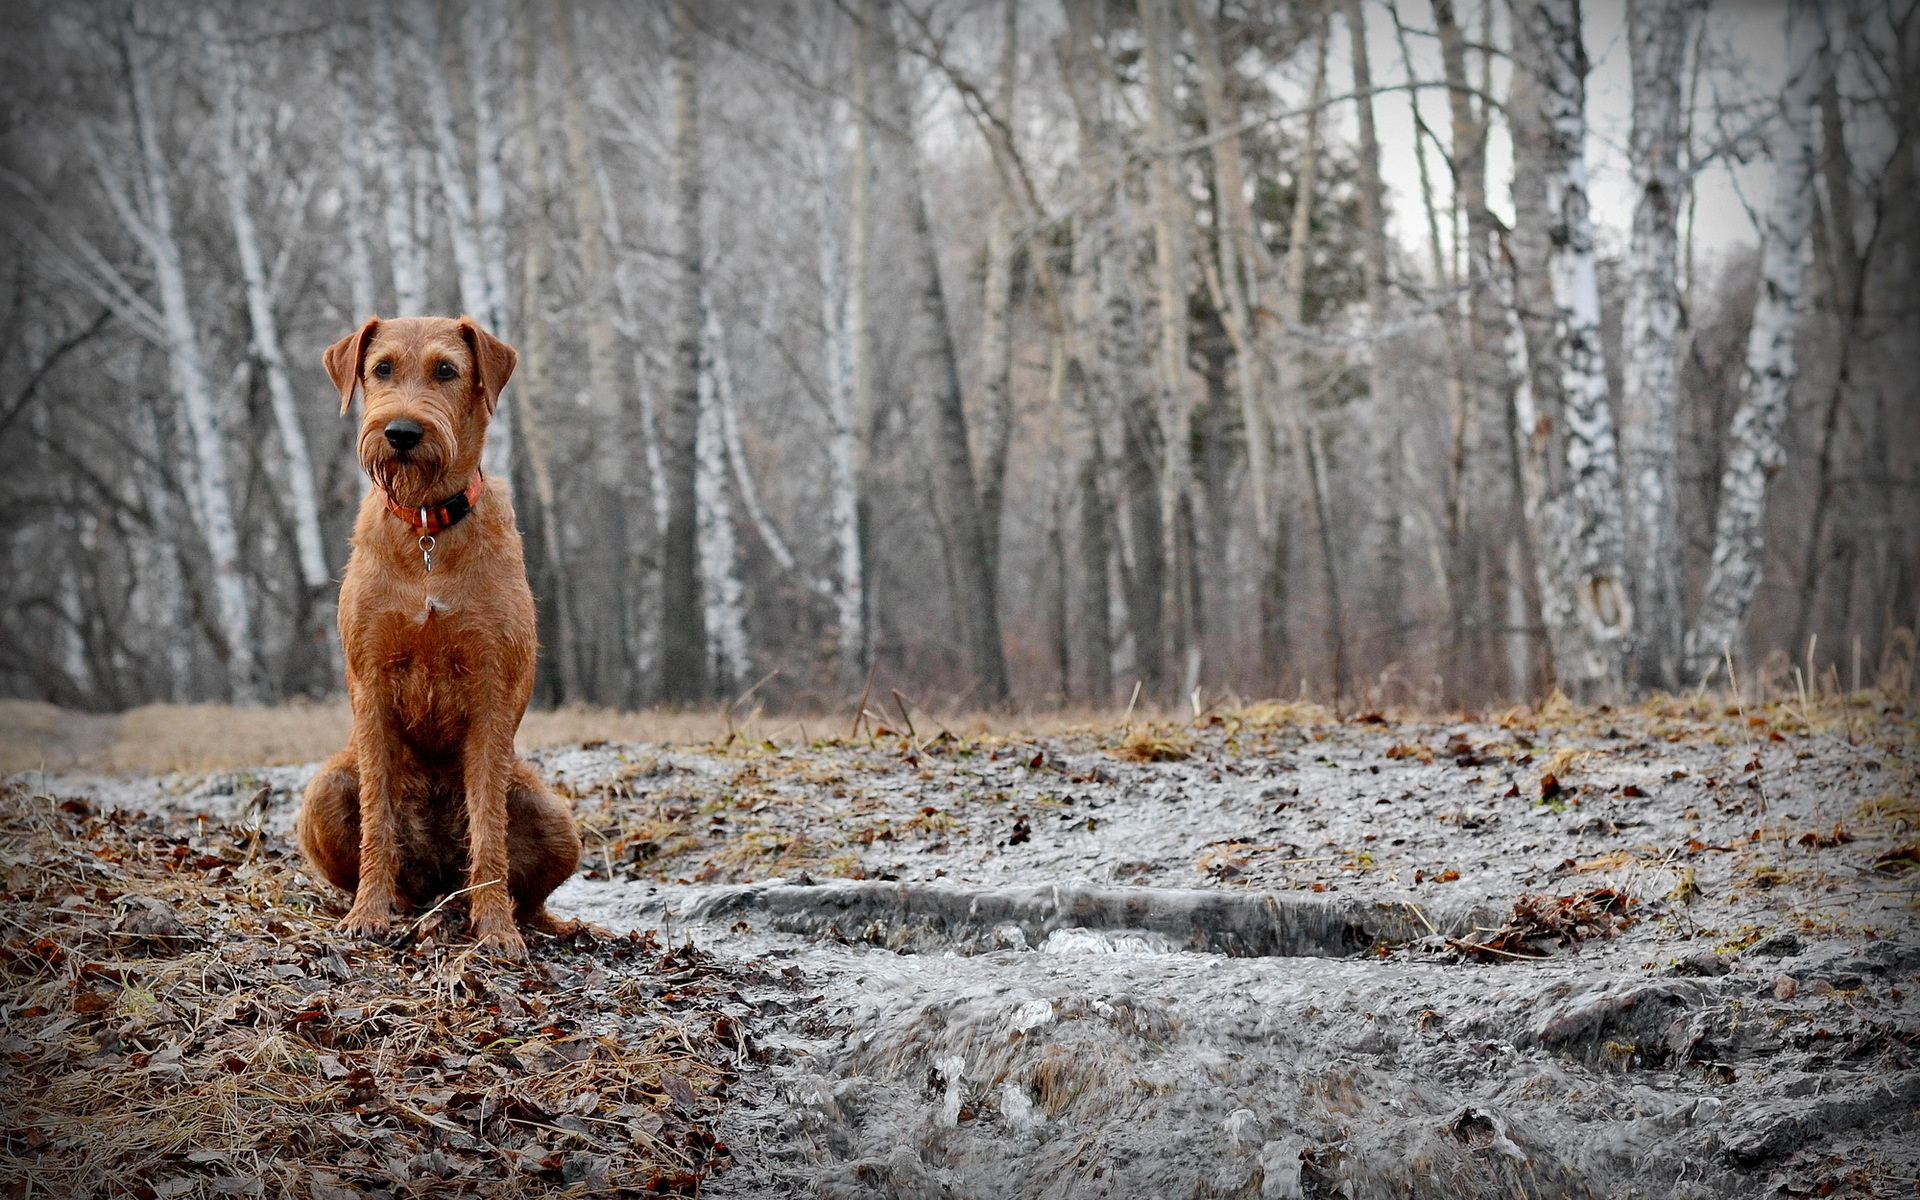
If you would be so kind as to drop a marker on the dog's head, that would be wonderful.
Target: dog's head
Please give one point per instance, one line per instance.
(429, 385)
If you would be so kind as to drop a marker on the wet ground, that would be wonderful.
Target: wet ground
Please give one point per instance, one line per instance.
(1660, 952)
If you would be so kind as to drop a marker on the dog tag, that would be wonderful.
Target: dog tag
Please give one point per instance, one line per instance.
(426, 551)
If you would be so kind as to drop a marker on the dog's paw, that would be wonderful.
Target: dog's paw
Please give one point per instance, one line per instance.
(564, 927)
(506, 942)
(374, 922)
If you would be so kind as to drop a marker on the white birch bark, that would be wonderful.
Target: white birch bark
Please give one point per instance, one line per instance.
(1583, 538)
(302, 495)
(853, 405)
(721, 590)
(1754, 452)
(1385, 414)
(843, 453)
(720, 363)
(213, 489)
(361, 291)
(1659, 33)
(406, 231)
(473, 227)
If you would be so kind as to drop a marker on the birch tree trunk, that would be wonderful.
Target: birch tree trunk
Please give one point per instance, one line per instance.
(851, 345)
(1243, 269)
(1754, 452)
(478, 243)
(407, 237)
(207, 425)
(1836, 254)
(1294, 363)
(683, 633)
(534, 378)
(720, 584)
(1581, 532)
(996, 331)
(1115, 368)
(604, 546)
(1659, 33)
(296, 462)
(302, 496)
(996, 379)
(843, 448)
(1170, 222)
(361, 291)
(1385, 416)
(936, 373)
(1481, 515)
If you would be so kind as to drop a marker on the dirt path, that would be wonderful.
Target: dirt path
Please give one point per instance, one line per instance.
(1664, 952)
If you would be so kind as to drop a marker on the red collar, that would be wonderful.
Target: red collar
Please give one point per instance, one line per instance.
(438, 518)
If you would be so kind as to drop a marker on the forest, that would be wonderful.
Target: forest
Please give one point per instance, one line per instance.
(1007, 353)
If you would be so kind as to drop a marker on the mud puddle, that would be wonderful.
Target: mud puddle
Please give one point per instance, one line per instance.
(940, 1043)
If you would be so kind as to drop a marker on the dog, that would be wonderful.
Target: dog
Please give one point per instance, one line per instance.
(437, 627)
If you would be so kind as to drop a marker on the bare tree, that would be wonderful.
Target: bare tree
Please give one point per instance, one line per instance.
(936, 376)
(1739, 535)
(297, 463)
(1170, 224)
(151, 221)
(683, 636)
(1580, 529)
(1660, 33)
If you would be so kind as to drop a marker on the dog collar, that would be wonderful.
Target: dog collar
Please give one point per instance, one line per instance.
(438, 518)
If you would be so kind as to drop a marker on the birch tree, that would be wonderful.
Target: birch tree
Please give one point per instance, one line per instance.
(1386, 417)
(406, 232)
(152, 224)
(683, 635)
(534, 378)
(1293, 368)
(935, 372)
(1659, 33)
(1171, 220)
(1479, 518)
(1581, 532)
(844, 450)
(1240, 269)
(721, 588)
(473, 209)
(996, 328)
(1754, 452)
(296, 462)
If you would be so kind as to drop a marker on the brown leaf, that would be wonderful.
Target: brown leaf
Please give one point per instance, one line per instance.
(677, 1089)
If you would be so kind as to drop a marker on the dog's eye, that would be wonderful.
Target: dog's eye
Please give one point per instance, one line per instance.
(383, 369)
(445, 371)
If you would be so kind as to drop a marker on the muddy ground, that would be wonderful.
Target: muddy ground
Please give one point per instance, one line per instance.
(1666, 951)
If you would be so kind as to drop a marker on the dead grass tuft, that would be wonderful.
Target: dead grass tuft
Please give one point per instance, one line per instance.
(1155, 743)
(180, 1019)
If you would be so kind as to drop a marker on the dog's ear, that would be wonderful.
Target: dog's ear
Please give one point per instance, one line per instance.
(493, 360)
(345, 358)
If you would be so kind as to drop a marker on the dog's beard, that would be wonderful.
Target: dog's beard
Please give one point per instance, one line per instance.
(412, 479)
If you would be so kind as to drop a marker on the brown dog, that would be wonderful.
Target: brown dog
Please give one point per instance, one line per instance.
(437, 625)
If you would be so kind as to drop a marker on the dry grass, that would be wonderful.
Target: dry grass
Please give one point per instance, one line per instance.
(208, 737)
(205, 737)
(179, 1019)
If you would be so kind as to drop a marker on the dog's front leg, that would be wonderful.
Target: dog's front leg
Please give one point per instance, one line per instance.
(487, 765)
(373, 895)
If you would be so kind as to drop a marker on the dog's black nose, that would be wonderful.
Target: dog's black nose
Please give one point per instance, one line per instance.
(403, 434)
